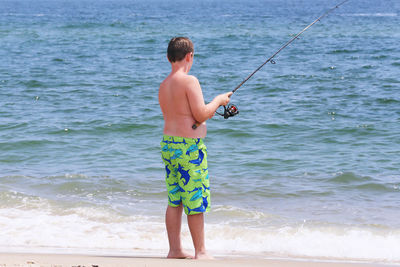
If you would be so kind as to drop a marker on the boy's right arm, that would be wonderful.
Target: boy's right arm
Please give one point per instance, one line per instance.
(202, 112)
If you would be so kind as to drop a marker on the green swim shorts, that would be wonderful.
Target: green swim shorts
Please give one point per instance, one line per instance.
(186, 173)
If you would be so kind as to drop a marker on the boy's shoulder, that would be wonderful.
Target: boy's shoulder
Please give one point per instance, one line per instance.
(192, 80)
(186, 80)
(185, 76)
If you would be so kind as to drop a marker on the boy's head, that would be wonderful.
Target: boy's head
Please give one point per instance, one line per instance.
(178, 48)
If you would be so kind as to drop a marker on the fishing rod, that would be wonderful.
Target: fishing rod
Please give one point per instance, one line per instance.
(232, 110)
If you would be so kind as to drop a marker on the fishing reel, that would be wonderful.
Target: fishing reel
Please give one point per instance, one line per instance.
(229, 111)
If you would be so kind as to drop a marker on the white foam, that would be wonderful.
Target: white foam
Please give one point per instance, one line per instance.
(352, 243)
(86, 229)
(99, 230)
(374, 14)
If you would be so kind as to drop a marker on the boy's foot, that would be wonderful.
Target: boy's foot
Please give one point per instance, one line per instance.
(179, 255)
(203, 256)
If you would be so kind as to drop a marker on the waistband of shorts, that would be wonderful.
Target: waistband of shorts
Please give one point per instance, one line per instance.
(179, 139)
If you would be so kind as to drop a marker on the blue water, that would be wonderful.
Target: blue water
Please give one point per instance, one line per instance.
(309, 168)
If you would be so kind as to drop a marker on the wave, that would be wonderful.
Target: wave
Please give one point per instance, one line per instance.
(82, 25)
(34, 84)
(348, 177)
(24, 144)
(388, 100)
(344, 51)
(78, 229)
(374, 187)
(373, 14)
(101, 230)
(351, 181)
(99, 128)
(334, 242)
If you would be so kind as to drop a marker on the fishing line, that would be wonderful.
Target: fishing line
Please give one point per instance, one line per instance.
(285, 45)
(232, 109)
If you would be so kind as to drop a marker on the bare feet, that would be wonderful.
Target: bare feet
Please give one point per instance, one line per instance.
(203, 256)
(179, 255)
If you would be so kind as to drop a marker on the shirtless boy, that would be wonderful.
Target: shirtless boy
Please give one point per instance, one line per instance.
(183, 150)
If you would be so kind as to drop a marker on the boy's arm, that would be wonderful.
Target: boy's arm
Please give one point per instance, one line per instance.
(202, 112)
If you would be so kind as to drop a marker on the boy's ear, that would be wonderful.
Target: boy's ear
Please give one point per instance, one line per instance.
(188, 56)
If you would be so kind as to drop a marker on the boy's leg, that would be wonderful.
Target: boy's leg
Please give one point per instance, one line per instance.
(173, 222)
(196, 226)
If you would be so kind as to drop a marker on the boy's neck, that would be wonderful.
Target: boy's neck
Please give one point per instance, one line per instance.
(180, 67)
(184, 65)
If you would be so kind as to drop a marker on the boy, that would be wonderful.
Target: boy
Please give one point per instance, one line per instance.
(183, 151)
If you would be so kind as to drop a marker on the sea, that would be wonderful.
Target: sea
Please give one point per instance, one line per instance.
(308, 169)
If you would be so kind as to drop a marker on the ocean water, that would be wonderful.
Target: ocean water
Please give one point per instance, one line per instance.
(308, 169)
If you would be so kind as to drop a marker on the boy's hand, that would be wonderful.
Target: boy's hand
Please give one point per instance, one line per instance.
(220, 100)
(224, 98)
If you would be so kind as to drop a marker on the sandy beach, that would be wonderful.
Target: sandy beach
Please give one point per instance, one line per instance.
(71, 260)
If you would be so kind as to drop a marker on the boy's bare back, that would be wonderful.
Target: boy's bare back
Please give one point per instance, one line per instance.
(178, 95)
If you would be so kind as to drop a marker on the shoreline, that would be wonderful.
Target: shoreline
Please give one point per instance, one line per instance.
(85, 260)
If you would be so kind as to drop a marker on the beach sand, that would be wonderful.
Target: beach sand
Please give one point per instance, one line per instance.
(73, 260)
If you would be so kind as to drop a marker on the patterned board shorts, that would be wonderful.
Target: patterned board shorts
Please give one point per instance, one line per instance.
(186, 169)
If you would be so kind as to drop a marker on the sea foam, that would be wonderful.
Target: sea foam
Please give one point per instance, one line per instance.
(100, 231)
